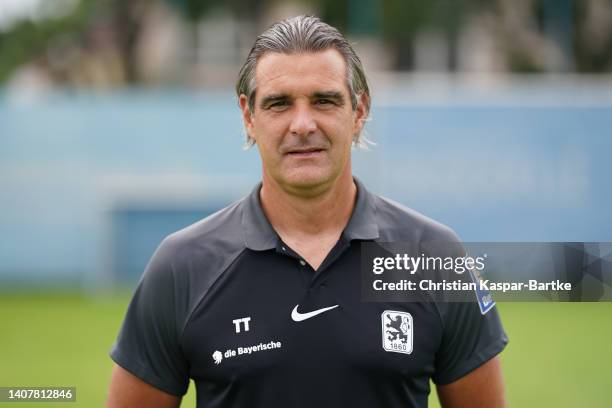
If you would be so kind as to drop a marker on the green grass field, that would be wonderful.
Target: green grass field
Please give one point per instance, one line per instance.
(560, 354)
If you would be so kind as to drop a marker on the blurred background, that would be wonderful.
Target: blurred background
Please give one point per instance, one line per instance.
(118, 126)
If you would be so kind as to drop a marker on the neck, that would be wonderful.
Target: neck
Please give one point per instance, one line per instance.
(309, 213)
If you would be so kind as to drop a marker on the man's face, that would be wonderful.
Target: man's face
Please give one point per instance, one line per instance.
(302, 119)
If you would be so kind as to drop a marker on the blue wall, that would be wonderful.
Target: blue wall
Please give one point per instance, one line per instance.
(89, 184)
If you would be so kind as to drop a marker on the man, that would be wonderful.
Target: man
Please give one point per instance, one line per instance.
(260, 303)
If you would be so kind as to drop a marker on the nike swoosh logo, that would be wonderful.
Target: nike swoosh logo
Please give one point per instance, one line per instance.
(298, 317)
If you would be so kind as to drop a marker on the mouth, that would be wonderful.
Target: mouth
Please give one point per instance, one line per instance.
(309, 152)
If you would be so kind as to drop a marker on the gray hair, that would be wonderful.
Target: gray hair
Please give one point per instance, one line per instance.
(304, 34)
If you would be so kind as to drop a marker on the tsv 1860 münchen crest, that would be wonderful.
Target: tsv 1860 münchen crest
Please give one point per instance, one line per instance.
(397, 331)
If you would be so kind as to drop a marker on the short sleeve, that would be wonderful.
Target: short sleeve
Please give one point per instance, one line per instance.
(148, 344)
(469, 340)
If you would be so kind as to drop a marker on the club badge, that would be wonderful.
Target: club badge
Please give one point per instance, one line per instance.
(397, 331)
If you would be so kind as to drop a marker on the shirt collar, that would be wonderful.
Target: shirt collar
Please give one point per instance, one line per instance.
(259, 234)
(362, 224)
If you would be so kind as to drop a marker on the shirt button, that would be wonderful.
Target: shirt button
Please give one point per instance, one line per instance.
(302, 262)
(283, 248)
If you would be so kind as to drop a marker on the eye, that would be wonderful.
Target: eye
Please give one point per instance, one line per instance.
(324, 103)
(278, 106)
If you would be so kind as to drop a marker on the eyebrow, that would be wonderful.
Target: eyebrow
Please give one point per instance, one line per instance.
(281, 97)
(334, 95)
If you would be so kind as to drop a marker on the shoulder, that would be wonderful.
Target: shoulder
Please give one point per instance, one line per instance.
(397, 222)
(218, 235)
(188, 262)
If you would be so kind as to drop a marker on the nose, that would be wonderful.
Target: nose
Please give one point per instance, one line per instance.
(302, 122)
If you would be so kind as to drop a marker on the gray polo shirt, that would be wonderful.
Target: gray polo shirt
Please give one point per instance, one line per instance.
(226, 303)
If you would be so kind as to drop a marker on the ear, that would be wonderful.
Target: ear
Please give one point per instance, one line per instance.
(361, 112)
(247, 119)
